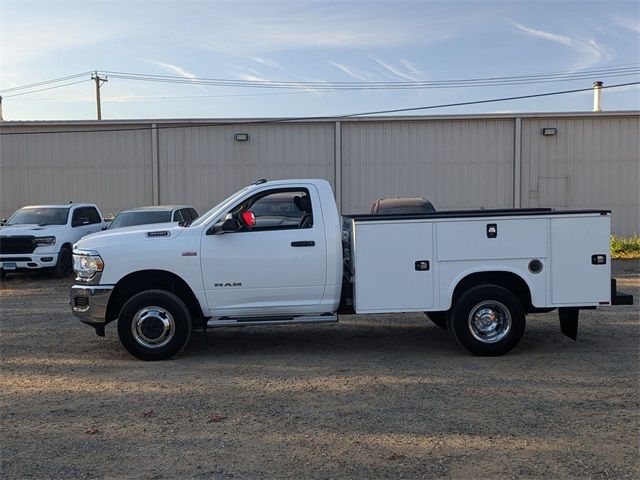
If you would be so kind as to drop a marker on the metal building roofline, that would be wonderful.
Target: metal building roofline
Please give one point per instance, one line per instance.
(377, 118)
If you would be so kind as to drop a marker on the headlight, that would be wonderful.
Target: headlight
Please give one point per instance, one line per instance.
(87, 264)
(42, 241)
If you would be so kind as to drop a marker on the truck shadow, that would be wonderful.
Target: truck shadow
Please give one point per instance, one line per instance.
(344, 338)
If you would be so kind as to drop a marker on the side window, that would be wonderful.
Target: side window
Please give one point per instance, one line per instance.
(177, 216)
(93, 215)
(280, 210)
(186, 214)
(80, 217)
(193, 213)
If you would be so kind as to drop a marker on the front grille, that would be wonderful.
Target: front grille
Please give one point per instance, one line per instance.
(81, 302)
(17, 244)
(15, 259)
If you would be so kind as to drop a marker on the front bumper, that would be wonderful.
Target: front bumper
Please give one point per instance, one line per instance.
(89, 304)
(27, 261)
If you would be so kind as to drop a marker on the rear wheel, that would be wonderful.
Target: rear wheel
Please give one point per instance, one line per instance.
(438, 318)
(487, 320)
(64, 265)
(154, 325)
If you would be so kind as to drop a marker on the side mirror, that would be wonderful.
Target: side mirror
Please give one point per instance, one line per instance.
(228, 225)
(3, 221)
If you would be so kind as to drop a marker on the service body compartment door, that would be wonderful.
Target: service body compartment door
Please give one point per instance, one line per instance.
(390, 270)
(576, 278)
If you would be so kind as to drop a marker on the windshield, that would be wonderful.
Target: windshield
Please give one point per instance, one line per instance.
(206, 216)
(40, 216)
(129, 219)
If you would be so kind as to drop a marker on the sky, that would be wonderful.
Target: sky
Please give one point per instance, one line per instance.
(309, 41)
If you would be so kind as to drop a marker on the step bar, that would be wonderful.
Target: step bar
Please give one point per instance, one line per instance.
(244, 322)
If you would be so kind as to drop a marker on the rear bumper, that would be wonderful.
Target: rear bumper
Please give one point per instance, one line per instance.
(27, 261)
(89, 304)
(619, 298)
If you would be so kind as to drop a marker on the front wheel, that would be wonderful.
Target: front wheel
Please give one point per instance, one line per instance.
(64, 265)
(154, 325)
(487, 320)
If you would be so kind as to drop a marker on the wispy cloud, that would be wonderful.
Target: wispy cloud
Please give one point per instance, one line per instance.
(395, 71)
(300, 25)
(181, 72)
(347, 69)
(591, 50)
(254, 77)
(265, 61)
(410, 66)
(628, 23)
(562, 39)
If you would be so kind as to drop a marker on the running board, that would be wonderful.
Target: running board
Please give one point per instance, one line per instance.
(243, 322)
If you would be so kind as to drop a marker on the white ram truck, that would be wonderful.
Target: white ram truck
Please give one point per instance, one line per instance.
(42, 236)
(278, 252)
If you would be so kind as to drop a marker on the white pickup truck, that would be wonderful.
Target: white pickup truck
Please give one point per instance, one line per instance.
(41, 236)
(278, 252)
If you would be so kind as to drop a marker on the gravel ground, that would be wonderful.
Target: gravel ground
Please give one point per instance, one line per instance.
(374, 397)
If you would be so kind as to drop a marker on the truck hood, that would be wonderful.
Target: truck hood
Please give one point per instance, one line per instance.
(32, 229)
(135, 237)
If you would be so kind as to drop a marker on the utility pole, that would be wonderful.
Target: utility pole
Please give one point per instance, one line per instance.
(99, 81)
(1, 119)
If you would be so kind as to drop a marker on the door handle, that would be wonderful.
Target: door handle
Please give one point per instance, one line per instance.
(303, 243)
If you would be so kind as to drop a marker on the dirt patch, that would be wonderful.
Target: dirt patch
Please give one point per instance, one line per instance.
(387, 396)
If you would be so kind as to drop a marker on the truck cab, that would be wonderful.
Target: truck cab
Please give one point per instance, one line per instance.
(41, 236)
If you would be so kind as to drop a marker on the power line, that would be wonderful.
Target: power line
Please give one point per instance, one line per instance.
(44, 82)
(622, 70)
(168, 97)
(46, 88)
(300, 119)
(473, 82)
(478, 102)
(612, 68)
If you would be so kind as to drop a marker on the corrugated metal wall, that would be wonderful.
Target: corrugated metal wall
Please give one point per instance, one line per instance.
(112, 169)
(589, 163)
(202, 166)
(457, 162)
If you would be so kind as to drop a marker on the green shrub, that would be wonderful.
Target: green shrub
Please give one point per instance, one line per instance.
(625, 247)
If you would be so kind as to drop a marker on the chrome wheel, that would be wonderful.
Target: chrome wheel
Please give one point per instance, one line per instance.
(153, 327)
(489, 321)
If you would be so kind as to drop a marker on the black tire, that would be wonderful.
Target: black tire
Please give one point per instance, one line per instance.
(501, 309)
(2, 273)
(64, 265)
(156, 306)
(438, 318)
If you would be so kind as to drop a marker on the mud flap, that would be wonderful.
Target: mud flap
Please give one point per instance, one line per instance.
(569, 322)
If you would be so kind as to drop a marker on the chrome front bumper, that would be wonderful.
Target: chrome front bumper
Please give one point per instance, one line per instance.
(89, 304)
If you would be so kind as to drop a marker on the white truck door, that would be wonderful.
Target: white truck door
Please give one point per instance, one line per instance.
(278, 266)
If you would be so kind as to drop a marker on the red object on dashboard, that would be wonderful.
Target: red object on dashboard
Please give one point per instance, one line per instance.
(249, 218)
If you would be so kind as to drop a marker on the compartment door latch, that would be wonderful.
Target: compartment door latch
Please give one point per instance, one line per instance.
(422, 265)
